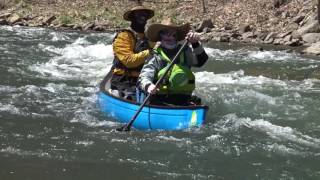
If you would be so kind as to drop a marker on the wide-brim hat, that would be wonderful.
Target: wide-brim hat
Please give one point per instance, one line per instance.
(128, 15)
(153, 31)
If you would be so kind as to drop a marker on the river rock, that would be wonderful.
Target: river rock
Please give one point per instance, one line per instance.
(278, 3)
(278, 41)
(3, 22)
(311, 37)
(309, 19)
(235, 35)
(5, 15)
(270, 36)
(262, 35)
(285, 14)
(14, 18)
(298, 18)
(248, 35)
(313, 27)
(295, 34)
(244, 28)
(282, 35)
(207, 23)
(292, 27)
(77, 27)
(206, 30)
(99, 28)
(223, 38)
(288, 38)
(269, 41)
(88, 26)
(293, 42)
(313, 49)
(101, 25)
(220, 36)
(49, 20)
(227, 27)
(29, 17)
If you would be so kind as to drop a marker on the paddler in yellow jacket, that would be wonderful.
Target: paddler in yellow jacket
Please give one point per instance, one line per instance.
(131, 48)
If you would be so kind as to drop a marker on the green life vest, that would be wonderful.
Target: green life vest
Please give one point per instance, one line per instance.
(179, 80)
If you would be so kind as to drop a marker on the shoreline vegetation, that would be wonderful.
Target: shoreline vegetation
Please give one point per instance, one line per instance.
(290, 23)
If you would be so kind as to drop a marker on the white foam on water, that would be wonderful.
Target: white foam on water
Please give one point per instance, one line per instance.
(236, 77)
(179, 142)
(58, 36)
(312, 66)
(85, 143)
(7, 89)
(276, 132)
(284, 150)
(3, 48)
(7, 28)
(172, 139)
(254, 56)
(144, 162)
(272, 55)
(119, 140)
(77, 61)
(214, 138)
(28, 32)
(81, 106)
(82, 41)
(54, 99)
(306, 85)
(211, 81)
(174, 175)
(256, 95)
(85, 113)
(218, 54)
(11, 109)
(92, 121)
(16, 151)
(47, 48)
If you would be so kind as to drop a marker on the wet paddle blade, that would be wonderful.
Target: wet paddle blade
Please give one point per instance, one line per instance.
(123, 128)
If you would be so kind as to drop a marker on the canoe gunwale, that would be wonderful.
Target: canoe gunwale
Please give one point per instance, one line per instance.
(157, 106)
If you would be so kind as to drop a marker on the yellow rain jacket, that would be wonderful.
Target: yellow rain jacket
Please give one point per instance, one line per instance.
(130, 51)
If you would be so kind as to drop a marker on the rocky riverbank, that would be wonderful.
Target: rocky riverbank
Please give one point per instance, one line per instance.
(278, 22)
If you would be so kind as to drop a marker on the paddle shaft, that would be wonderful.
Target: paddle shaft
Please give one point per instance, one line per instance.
(128, 126)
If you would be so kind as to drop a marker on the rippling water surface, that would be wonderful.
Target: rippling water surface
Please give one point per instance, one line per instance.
(263, 121)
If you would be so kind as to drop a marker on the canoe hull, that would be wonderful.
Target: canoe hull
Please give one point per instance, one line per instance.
(152, 117)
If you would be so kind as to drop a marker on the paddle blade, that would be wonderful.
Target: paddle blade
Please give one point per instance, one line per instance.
(123, 128)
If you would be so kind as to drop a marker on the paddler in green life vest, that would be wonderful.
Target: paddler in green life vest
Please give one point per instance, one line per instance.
(179, 83)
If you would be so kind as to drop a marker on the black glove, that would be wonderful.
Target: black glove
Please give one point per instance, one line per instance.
(143, 45)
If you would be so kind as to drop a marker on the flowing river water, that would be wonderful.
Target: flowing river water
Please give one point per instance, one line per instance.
(263, 121)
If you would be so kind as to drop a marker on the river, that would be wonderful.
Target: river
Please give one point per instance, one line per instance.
(263, 121)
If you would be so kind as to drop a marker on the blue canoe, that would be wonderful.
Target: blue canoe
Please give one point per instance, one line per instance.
(151, 116)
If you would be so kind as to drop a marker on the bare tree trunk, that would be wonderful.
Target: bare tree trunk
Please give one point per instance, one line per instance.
(204, 6)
